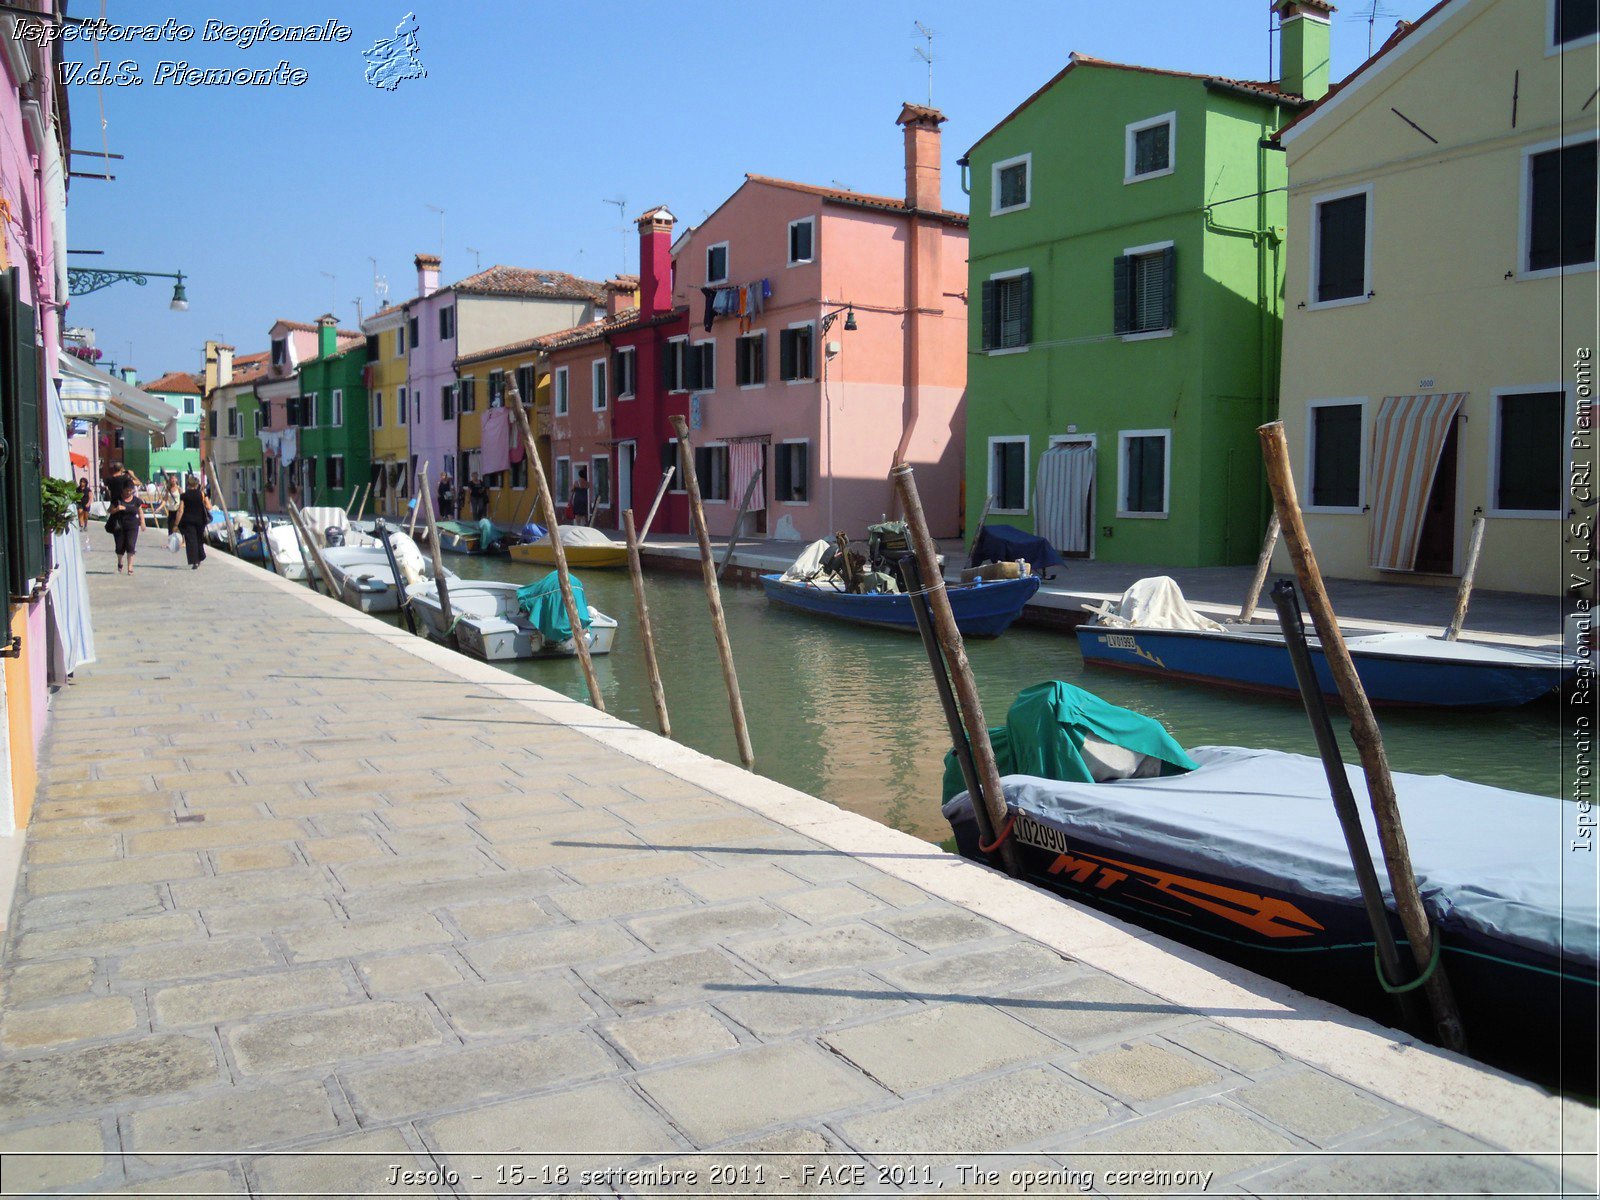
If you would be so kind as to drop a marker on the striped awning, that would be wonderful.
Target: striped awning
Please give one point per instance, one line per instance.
(1408, 437)
(82, 400)
(119, 401)
(1061, 499)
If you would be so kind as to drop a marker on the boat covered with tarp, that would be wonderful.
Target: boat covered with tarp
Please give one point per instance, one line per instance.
(498, 621)
(1154, 631)
(584, 548)
(476, 537)
(363, 577)
(1239, 852)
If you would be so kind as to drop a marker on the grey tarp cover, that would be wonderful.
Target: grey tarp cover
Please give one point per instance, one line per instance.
(1487, 859)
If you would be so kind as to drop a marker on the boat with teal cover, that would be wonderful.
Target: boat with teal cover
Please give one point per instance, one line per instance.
(476, 537)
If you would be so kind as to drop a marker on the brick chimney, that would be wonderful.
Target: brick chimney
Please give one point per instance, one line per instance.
(327, 335)
(655, 261)
(622, 292)
(922, 155)
(1304, 46)
(427, 274)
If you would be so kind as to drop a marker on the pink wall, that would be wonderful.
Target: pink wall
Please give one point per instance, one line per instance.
(583, 434)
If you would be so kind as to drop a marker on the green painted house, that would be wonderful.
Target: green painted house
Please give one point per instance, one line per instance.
(181, 390)
(1127, 261)
(335, 440)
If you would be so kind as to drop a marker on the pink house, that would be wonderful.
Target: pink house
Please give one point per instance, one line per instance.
(827, 340)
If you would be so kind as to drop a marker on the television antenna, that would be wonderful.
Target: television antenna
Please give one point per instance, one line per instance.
(925, 53)
(622, 216)
(477, 259)
(1370, 13)
(380, 285)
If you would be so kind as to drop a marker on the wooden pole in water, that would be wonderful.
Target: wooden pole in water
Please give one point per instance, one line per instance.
(1263, 565)
(719, 624)
(1367, 736)
(557, 550)
(955, 653)
(1464, 593)
(365, 492)
(315, 564)
(440, 581)
(650, 518)
(420, 483)
(738, 521)
(646, 633)
(227, 517)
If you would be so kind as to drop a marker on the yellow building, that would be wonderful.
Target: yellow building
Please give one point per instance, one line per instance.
(481, 386)
(389, 409)
(1440, 314)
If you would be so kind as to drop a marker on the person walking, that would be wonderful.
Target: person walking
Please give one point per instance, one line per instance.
(171, 503)
(193, 517)
(447, 498)
(578, 504)
(125, 518)
(478, 491)
(83, 502)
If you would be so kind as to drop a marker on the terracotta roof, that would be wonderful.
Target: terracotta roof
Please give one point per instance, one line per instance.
(578, 335)
(525, 281)
(919, 112)
(1319, 5)
(175, 381)
(623, 283)
(427, 260)
(855, 199)
(1261, 90)
(304, 327)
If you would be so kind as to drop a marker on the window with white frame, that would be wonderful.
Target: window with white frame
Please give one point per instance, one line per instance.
(402, 406)
(1573, 23)
(1144, 289)
(447, 323)
(261, 419)
(527, 386)
(338, 408)
(1011, 185)
(1341, 247)
(791, 472)
(336, 471)
(563, 480)
(598, 384)
(600, 481)
(674, 357)
(399, 340)
(1007, 306)
(191, 439)
(797, 353)
(1149, 148)
(717, 263)
(750, 359)
(1559, 206)
(700, 367)
(377, 410)
(1142, 472)
(711, 469)
(1008, 474)
(233, 421)
(1528, 453)
(1337, 435)
(188, 406)
(625, 376)
(560, 391)
(802, 238)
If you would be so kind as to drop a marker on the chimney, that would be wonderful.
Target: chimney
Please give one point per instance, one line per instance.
(655, 261)
(327, 335)
(1303, 46)
(224, 368)
(622, 292)
(427, 274)
(129, 375)
(922, 155)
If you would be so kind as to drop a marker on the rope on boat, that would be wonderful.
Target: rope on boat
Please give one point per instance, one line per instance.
(1427, 973)
(1005, 832)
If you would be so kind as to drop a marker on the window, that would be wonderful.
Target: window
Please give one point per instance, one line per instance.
(414, 330)
(750, 360)
(264, 421)
(802, 236)
(308, 411)
(372, 348)
(1335, 453)
(1008, 311)
(1529, 455)
(270, 469)
(447, 403)
(191, 439)
(261, 419)
(1573, 21)
(1142, 473)
(1008, 474)
(337, 420)
(527, 385)
(188, 406)
(597, 379)
(701, 367)
(233, 422)
(416, 407)
(1560, 207)
(717, 263)
(336, 471)
(377, 410)
(211, 423)
(1011, 185)
(600, 482)
(563, 480)
(1340, 249)
(280, 352)
(519, 474)
(399, 340)
(711, 469)
(559, 387)
(795, 353)
(447, 323)
(622, 368)
(1148, 148)
(791, 480)
(1143, 283)
(467, 393)
(673, 356)
(401, 405)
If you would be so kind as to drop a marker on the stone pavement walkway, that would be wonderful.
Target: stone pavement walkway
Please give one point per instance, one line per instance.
(305, 908)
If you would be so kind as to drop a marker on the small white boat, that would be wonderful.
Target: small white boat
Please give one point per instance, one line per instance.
(363, 578)
(490, 623)
(287, 558)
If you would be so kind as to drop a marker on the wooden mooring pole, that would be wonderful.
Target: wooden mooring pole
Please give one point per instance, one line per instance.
(708, 572)
(227, 517)
(738, 521)
(440, 580)
(547, 505)
(646, 633)
(955, 655)
(365, 492)
(1368, 739)
(420, 485)
(1464, 593)
(1263, 565)
(315, 564)
(650, 518)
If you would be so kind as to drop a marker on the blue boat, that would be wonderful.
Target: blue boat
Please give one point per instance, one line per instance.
(1400, 669)
(981, 608)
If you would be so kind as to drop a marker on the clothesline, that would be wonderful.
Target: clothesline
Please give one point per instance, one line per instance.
(742, 300)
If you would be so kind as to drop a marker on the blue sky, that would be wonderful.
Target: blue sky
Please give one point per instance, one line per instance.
(532, 114)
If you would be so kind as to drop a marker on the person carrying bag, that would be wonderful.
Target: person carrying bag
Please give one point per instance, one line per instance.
(193, 517)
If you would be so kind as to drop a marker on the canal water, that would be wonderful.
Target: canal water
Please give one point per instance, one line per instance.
(850, 714)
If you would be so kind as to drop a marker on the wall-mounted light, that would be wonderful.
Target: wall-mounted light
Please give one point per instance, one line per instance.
(849, 312)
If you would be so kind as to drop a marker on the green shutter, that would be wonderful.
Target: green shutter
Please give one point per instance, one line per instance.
(1024, 291)
(1121, 295)
(24, 501)
(991, 316)
(1169, 287)
(786, 354)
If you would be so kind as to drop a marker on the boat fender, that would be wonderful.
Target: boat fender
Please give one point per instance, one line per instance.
(1427, 973)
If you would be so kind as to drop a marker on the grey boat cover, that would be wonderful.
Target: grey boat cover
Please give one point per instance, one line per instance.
(1490, 861)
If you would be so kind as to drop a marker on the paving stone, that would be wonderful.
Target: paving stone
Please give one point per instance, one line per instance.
(935, 1045)
(296, 805)
(738, 883)
(502, 917)
(707, 924)
(311, 943)
(347, 848)
(97, 1076)
(212, 833)
(716, 834)
(77, 1157)
(235, 999)
(71, 850)
(412, 814)
(355, 1165)
(422, 868)
(1143, 1072)
(1090, 1010)
(264, 918)
(983, 974)
(451, 892)
(822, 904)
(520, 804)
(994, 1114)
(1232, 1050)
(440, 839)
(558, 947)
(826, 949)
(394, 974)
(195, 784)
(30, 1028)
(734, 1095)
(213, 956)
(654, 865)
(98, 904)
(489, 1008)
(939, 929)
(44, 981)
(1146, 1143)
(188, 1183)
(1312, 1105)
(459, 1077)
(685, 1033)
(105, 935)
(779, 1009)
(1426, 1172)
(254, 858)
(600, 1117)
(256, 1117)
(543, 852)
(334, 1034)
(687, 807)
(296, 883)
(594, 903)
(665, 978)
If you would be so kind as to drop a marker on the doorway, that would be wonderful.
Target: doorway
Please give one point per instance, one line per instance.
(627, 452)
(1436, 545)
(1064, 495)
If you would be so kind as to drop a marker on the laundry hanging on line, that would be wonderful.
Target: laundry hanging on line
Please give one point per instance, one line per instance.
(745, 301)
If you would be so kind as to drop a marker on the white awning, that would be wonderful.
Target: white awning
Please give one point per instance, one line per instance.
(83, 385)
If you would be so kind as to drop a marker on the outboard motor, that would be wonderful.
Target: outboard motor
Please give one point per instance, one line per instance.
(333, 536)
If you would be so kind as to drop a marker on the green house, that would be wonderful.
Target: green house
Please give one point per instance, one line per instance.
(1126, 257)
(181, 390)
(335, 441)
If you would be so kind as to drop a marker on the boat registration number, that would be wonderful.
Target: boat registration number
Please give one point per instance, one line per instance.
(1121, 641)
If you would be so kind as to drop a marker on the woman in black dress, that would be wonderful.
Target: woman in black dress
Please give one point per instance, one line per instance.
(126, 517)
(193, 517)
(83, 502)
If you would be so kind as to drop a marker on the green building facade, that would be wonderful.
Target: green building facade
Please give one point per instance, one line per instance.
(182, 391)
(335, 439)
(1126, 273)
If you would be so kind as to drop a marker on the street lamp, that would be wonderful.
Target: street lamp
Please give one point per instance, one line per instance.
(83, 280)
(849, 311)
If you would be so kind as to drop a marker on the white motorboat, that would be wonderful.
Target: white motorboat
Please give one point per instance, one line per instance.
(490, 622)
(364, 579)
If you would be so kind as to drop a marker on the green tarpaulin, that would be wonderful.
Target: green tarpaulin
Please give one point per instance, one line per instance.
(542, 602)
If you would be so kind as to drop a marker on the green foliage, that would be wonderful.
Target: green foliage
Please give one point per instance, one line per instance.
(60, 504)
